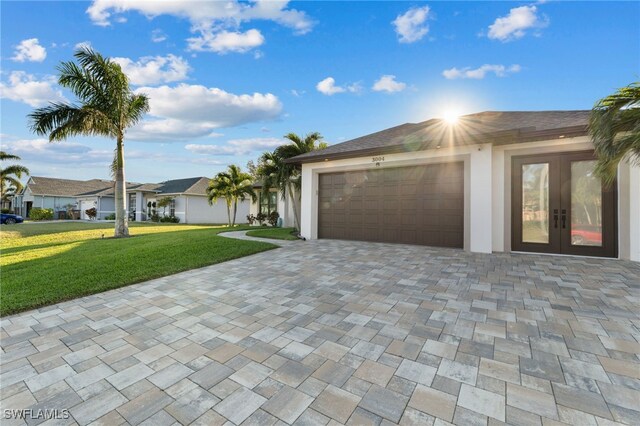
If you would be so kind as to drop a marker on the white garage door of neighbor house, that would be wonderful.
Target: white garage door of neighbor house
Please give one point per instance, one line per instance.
(86, 205)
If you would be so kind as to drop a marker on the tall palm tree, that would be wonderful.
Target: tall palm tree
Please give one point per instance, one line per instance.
(286, 177)
(107, 108)
(614, 126)
(10, 176)
(233, 185)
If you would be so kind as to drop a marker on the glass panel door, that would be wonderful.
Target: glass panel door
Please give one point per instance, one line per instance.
(559, 205)
(586, 205)
(535, 203)
(589, 225)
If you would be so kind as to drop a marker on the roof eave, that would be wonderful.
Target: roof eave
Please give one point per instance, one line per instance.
(499, 138)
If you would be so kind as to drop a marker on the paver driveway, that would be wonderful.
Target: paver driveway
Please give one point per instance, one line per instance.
(342, 332)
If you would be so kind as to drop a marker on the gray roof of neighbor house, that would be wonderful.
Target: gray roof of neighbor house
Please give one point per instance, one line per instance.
(497, 127)
(99, 187)
(66, 187)
(191, 186)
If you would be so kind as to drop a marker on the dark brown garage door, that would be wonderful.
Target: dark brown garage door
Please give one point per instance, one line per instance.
(412, 205)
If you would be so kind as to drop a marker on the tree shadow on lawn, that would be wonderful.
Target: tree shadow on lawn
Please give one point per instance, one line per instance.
(96, 265)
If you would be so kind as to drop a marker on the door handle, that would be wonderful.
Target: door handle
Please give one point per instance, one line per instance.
(564, 218)
(555, 218)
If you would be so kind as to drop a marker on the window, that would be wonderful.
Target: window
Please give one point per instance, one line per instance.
(172, 208)
(132, 203)
(268, 202)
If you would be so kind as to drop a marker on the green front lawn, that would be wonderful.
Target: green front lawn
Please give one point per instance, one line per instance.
(275, 233)
(48, 263)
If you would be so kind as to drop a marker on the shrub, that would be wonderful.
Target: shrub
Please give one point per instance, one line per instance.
(169, 219)
(155, 217)
(251, 219)
(261, 217)
(92, 213)
(37, 213)
(111, 216)
(273, 218)
(5, 211)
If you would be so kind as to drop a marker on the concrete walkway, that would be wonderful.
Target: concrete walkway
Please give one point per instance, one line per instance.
(334, 332)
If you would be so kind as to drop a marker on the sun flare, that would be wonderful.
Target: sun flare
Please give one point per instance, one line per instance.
(451, 116)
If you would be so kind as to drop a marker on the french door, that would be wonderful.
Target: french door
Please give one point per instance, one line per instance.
(560, 206)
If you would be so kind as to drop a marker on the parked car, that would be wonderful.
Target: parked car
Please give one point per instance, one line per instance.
(10, 219)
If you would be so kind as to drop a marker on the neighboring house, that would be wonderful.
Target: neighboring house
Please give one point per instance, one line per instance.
(491, 182)
(270, 201)
(189, 203)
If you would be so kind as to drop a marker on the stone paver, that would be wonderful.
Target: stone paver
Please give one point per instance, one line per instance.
(334, 332)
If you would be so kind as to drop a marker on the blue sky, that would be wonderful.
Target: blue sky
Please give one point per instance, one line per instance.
(227, 80)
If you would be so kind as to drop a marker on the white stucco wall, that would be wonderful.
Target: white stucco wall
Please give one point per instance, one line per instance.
(196, 209)
(487, 190)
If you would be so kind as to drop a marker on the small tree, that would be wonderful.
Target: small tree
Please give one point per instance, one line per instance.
(10, 176)
(233, 185)
(276, 173)
(164, 202)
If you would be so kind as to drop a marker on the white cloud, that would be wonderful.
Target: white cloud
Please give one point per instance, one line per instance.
(328, 87)
(388, 83)
(29, 51)
(210, 19)
(190, 111)
(82, 45)
(23, 87)
(411, 26)
(41, 150)
(158, 36)
(226, 41)
(155, 69)
(480, 72)
(237, 146)
(516, 23)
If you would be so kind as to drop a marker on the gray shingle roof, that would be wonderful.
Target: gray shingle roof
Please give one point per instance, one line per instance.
(191, 186)
(99, 187)
(485, 127)
(66, 187)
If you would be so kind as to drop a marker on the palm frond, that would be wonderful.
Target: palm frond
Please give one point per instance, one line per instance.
(6, 156)
(614, 126)
(14, 169)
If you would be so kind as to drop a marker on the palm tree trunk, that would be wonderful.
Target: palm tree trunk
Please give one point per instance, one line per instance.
(228, 212)
(235, 210)
(122, 226)
(296, 219)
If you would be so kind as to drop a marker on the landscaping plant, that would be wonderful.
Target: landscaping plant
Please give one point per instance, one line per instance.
(233, 185)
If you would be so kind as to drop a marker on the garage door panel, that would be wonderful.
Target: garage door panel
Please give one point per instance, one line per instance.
(412, 205)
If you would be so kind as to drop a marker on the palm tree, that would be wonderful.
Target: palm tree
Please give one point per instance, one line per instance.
(107, 108)
(286, 177)
(614, 126)
(233, 185)
(10, 176)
